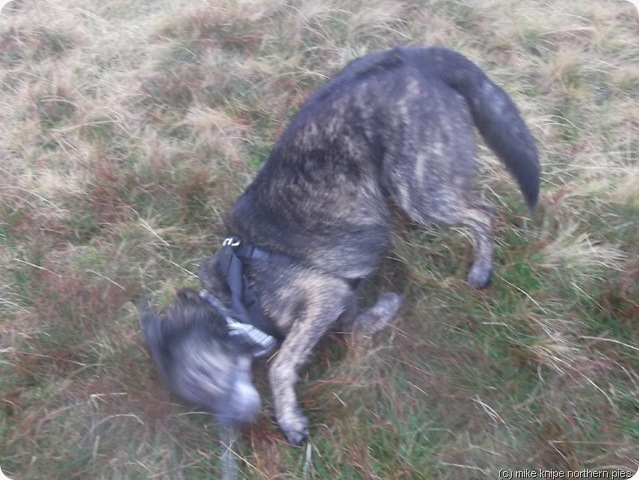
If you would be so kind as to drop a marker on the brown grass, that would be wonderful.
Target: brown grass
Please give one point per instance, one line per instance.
(129, 128)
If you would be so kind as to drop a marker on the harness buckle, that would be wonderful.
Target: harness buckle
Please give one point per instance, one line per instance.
(231, 242)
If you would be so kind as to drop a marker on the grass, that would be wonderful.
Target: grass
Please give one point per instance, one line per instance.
(129, 128)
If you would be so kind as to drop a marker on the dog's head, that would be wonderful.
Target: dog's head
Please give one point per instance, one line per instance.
(195, 353)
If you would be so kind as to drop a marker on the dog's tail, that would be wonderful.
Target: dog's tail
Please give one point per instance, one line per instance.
(494, 113)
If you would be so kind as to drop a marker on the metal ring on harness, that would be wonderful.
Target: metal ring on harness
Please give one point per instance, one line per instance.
(231, 242)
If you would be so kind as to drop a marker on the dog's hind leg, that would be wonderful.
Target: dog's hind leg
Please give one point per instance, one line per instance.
(456, 209)
(372, 320)
(480, 221)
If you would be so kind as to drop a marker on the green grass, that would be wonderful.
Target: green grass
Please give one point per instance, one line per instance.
(128, 129)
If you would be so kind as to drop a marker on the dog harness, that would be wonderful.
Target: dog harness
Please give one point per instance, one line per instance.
(260, 343)
(245, 319)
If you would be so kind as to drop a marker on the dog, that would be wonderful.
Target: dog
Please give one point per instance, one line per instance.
(392, 128)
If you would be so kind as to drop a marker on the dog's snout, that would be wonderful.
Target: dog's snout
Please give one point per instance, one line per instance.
(244, 404)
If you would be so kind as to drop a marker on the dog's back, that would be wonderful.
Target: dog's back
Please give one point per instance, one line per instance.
(394, 124)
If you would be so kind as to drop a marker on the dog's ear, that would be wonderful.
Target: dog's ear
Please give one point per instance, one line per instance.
(149, 323)
(209, 277)
(190, 312)
(152, 327)
(206, 273)
(187, 295)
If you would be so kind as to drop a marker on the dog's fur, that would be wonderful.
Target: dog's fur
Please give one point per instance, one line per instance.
(392, 127)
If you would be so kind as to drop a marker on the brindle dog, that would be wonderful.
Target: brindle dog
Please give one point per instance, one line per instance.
(393, 127)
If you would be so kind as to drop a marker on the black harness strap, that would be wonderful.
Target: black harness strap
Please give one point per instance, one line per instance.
(245, 306)
(247, 251)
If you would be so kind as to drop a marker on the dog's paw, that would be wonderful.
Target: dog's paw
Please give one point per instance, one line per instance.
(379, 315)
(479, 277)
(295, 429)
(388, 304)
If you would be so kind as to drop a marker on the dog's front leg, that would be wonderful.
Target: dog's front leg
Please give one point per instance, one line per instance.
(292, 421)
(308, 328)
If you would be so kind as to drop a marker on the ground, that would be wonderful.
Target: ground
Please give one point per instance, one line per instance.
(128, 128)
